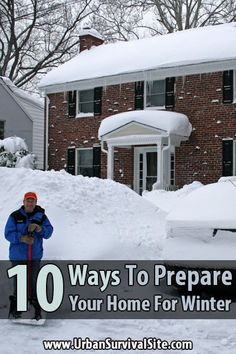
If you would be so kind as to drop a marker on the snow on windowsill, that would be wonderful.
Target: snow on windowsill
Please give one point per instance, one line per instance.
(157, 108)
(84, 115)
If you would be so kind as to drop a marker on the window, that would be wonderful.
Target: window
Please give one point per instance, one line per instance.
(155, 93)
(86, 101)
(2, 124)
(85, 162)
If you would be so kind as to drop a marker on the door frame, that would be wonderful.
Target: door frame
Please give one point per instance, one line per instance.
(137, 151)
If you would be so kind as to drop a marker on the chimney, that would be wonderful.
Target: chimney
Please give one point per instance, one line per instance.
(89, 37)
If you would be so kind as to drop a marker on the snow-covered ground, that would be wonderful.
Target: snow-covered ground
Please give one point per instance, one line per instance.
(100, 219)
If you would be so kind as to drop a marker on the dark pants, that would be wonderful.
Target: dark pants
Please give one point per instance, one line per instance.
(32, 273)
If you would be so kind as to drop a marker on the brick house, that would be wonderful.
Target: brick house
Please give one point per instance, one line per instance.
(191, 73)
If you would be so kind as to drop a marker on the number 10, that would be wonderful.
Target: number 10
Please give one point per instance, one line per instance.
(20, 271)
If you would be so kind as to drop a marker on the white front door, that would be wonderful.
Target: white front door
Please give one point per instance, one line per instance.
(145, 168)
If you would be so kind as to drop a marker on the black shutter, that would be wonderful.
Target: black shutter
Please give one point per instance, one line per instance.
(71, 161)
(71, 104)
(228, 86)
(227, 157)
(97, 161)
(97, 101)
(139, 91)
(170, 92)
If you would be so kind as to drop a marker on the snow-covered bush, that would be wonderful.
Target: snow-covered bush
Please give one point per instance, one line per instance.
(14, 153)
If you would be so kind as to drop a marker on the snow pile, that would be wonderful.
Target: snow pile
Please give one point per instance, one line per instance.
(14, 153)
(191, 214)
(92, 218)
(192, 219)
(168, 200)
(188, 47)
(170, 122)
(210, 206)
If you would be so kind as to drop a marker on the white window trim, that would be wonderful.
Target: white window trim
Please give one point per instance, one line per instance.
(76, 158)
(145, 97)
(82, 114)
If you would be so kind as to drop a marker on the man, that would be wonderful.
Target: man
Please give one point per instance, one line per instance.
(25, 230)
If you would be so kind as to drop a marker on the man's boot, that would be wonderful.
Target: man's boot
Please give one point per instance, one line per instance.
(13, 313)
(37, 309)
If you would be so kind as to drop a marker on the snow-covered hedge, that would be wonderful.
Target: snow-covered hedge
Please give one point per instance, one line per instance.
(14, 153)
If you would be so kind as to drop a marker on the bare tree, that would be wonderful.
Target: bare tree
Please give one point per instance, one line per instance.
(119, 19)
(177, 15)
(36, 35)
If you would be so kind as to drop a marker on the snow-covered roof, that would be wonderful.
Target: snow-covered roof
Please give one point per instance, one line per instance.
(203, 49)
(169, 122)
(22, 94)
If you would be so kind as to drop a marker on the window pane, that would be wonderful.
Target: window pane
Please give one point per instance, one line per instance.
(149, 183)
(155, 93)
(85, 157)
(156, 87)
(155, 100)
(85, 162)
(85, 171)
(86, 96)
(86, 101)
(151, 164)
(86, 107)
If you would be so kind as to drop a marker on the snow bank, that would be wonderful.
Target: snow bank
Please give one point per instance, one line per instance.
(171, 122)
(92, 218)
(211, 206)
(192, 219)
(168, 200)
(191, 214)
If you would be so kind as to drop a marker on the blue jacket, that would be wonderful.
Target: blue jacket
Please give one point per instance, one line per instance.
(17, 225)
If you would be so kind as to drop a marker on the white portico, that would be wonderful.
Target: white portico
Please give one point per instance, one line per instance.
(154, 136)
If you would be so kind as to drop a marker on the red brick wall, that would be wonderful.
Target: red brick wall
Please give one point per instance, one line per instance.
(197, 96)
(82, 132)
(200, 98)
(123, 166)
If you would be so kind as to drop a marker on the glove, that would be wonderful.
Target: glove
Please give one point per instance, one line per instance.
(29, 240)
(34, 227)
